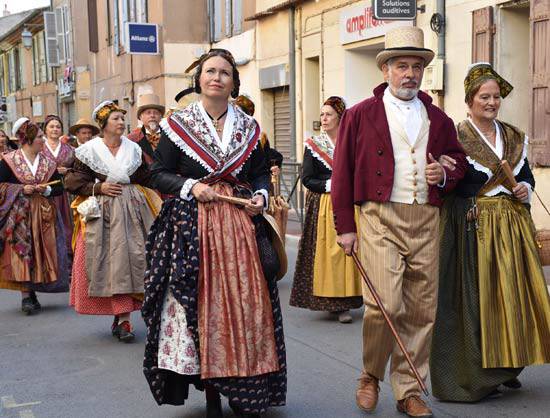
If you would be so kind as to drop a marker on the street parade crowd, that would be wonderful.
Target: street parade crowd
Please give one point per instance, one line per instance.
(181, 220)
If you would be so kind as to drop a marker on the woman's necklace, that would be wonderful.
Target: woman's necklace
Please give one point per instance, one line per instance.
(216, 121)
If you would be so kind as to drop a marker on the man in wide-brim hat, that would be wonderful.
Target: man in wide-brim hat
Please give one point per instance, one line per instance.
(83, 130)
(386, 162)
(150, 113)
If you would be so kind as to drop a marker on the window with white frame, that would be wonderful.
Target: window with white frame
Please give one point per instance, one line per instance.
(127, 11)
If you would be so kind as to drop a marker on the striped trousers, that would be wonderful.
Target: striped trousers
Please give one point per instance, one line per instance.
(399, 248)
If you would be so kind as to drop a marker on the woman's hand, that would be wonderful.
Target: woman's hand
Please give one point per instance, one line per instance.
(28, 189)
(111, 189)
(62, 170)
(39, 188)
(203, 193)
(255, 206)
(521, 192)
(447, 162)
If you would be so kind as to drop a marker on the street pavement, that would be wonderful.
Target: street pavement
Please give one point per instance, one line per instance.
(61, 365)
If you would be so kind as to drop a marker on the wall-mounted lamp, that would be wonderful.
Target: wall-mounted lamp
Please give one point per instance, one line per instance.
(26, 38)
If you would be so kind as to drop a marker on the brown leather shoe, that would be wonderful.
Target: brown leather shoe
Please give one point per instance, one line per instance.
(414, 406)
(367, 393)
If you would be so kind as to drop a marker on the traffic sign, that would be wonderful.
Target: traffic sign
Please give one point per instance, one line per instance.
(142, 38)
(394, 9)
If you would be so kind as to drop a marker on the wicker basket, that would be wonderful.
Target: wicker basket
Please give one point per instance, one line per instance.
(542, 238)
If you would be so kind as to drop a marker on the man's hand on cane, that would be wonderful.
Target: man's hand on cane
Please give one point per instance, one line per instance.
(348, 242)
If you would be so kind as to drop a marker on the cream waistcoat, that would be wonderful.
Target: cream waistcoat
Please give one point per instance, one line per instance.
(409, 184)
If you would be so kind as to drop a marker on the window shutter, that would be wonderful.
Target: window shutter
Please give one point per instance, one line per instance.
(60, 32)
(218, 11)
(228, 22)
(483, 31)
(116, 40)
(52, 52)
(93, 36)
(67, 33)
(540, 82)
(237, 16)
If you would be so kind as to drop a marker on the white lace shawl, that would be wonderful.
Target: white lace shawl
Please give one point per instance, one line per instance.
(119, 168)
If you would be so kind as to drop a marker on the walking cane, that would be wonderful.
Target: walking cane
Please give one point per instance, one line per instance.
(376, 297)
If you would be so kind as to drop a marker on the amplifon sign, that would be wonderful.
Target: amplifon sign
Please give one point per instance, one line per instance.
(357, 23)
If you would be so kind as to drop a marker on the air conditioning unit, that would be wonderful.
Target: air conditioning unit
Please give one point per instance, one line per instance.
(433, 76)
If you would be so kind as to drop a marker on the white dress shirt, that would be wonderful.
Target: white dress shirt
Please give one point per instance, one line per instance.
(408, 112)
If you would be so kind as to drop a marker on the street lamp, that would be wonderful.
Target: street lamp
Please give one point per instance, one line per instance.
(26, 38)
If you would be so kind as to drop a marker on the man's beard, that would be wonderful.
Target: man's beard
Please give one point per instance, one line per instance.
(152, 126)
(407, 93)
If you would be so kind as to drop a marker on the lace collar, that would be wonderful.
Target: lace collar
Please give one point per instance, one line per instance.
(118, 169)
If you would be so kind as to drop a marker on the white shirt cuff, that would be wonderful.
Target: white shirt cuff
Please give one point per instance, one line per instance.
(185, 192)
(327, 186)
(442, 185)
(265, 194)
(48, 191)
(529, 192)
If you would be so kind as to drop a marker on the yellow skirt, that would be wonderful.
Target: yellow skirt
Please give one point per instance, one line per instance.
(514, 300)
(334, 274)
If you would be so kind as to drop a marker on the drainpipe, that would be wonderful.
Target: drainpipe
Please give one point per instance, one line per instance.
(441, 49)
(441, 34)
(292, 81)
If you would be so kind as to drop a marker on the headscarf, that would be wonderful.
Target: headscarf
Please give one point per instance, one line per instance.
(337, 103)
(103, 110)
(215, 52)
(27, 133)
(49, 118)
(246, 104)
(478, 74)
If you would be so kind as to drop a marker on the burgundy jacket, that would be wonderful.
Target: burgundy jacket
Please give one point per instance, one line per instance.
(363, 167)
(138, 136)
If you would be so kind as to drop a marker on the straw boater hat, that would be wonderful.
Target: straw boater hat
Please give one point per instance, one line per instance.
(404, 41)
(149, 101)
(83, 123)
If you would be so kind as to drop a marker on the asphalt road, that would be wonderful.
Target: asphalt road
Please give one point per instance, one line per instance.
(62, 365)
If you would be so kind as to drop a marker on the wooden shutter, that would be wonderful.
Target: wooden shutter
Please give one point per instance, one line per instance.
(237, 20)
(540, 82)
(52, 52)
(483, 31)
(60, 33)
(93, 36)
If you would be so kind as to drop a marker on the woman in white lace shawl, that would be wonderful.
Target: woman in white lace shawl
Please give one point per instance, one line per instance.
(109, 262)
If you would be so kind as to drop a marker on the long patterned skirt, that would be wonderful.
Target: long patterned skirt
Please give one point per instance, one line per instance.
(302, 295)
(173, 263)
(457, 365)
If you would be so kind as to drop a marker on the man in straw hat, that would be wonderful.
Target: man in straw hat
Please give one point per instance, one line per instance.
(82, 131)
(150, 113)
(386, 163)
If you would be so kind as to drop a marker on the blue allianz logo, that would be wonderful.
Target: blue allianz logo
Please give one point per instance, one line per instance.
(143, 38)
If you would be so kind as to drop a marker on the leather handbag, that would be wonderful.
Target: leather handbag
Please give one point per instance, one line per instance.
(89, 209)
(542, 239)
